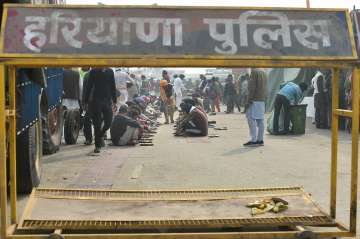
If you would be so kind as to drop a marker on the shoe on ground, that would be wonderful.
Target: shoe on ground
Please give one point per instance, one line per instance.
(97, 150)
(166, 122)
(260, 143)
(172, 121)
(88, 142)
(250, 144)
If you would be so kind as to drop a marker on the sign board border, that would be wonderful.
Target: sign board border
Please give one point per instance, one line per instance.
(174, 57)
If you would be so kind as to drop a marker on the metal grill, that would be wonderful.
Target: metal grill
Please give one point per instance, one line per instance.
(164, 195)
(81, 224)
(298, 216)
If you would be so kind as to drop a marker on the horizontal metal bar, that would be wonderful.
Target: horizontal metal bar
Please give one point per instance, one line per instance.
(77, 6)
(78, 194)
(196, 223)
(166, 191)
(169, 62)
(345, 113)
(206, 235)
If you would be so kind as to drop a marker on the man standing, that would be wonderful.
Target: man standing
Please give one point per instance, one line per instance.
(102, 87)
(289, 94)
(320, 101)
(166, 97)
(132, 87)
(87, 117)
(237, 84)
(244, 90)
(202, 92)
(255, 107)
(202, 83)
(178, 88)
(82, 72)
(121, 77)
(219, 93)
(212, 94)
(230, 95)
(145, 86)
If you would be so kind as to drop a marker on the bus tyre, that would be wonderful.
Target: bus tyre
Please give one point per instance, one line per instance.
(52, 129)
(71, 126)
(28, 154)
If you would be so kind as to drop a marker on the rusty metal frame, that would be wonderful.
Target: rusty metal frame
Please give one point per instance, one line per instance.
(10, 63)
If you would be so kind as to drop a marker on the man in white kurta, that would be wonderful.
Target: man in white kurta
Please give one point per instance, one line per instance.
(178, 88)
(121, 77)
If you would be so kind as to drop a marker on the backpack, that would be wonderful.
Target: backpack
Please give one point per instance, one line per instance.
(169, 90)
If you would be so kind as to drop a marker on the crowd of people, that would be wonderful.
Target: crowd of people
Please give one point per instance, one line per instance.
(233, 93)
(113, 99)
(127, 105)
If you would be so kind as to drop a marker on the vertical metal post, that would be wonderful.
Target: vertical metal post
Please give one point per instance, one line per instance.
(334, 141)
(354, 151)
(12, 104)
(3, 179)
(307, 3)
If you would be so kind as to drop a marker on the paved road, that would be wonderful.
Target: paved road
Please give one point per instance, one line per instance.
(192, 163)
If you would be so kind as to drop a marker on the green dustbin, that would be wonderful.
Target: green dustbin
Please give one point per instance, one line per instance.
(298, 118)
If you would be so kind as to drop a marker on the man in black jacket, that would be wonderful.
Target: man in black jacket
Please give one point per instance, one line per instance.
(101, 85)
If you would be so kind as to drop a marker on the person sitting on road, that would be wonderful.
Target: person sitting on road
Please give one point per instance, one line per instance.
(124, 130)
(289, 94)
(136, 114)
(192, 123)
(193, 102)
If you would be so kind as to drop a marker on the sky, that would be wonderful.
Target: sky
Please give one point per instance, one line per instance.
(258, 3)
